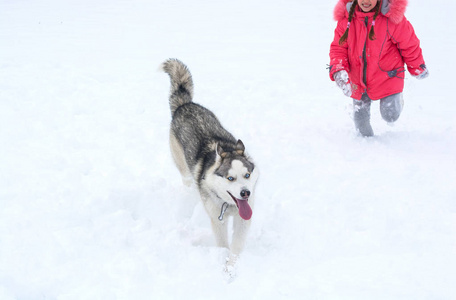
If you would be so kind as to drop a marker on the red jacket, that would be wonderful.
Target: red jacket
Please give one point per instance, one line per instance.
(380, 72)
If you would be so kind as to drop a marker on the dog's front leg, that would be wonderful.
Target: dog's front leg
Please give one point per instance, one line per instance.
(240, 230)
(220, 232)
(219, 228)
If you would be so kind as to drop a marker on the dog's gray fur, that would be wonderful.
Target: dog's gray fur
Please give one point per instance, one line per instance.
(207, 154)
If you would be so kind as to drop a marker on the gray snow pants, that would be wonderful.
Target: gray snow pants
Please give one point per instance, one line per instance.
(390, 109)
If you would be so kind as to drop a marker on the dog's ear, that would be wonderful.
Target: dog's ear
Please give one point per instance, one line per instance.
(221, 152)
(240, 148)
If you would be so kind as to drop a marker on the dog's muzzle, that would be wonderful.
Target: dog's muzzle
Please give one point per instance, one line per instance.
(245, 211)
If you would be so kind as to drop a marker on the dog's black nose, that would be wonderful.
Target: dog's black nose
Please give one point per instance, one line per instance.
(245, 193)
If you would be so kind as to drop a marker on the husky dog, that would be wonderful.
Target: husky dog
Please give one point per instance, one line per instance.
(206, 153)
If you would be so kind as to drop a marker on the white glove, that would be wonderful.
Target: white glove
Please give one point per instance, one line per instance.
(423, 74)
(343, 81)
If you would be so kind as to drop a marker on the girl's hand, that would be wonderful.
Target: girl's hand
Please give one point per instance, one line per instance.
(423, 74)
(343, 81)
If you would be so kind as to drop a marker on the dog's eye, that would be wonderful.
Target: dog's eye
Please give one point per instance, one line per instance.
(230, 178)
(247, 175)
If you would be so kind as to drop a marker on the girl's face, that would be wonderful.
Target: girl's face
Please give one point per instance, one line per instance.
(367, 5)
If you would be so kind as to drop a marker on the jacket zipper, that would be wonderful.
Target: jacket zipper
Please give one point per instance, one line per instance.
(364, 54)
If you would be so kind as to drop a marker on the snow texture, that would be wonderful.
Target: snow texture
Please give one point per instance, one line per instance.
(92, 207)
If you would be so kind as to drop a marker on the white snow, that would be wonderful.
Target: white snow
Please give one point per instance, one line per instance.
(92, 207)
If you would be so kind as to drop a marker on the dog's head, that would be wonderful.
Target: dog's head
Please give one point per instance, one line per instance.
(236, 176)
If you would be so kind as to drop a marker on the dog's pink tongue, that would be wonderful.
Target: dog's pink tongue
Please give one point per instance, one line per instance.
(245, 211)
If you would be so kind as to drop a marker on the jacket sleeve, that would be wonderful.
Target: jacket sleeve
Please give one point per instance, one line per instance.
(409, 45)
(338, 55)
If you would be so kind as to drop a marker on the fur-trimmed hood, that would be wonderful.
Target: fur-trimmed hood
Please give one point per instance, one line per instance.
(392, 9)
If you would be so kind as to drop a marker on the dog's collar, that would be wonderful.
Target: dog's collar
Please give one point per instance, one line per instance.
(222, 211)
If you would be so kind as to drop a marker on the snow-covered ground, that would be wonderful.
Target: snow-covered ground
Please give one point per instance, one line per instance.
(92, 207)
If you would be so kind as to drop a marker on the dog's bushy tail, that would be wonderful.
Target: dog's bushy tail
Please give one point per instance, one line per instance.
(181, 83)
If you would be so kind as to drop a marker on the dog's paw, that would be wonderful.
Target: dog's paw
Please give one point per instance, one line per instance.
(229, 273)
(230, 267)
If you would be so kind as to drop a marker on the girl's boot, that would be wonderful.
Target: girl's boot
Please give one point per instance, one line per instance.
(361, 116)
(391, 107)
